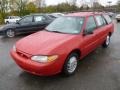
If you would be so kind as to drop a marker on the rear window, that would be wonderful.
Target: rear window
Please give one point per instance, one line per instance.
(52, 16)
(108, 19)
(12, 17)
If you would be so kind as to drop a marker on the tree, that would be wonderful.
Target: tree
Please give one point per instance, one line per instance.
(118, 6)
(12, 5)
(63, 7)
(31, 7)
(82, 7)
(73, 2)
(50, 9)
(3, 9)
(1, 19)
(41, 4)
(21, 7)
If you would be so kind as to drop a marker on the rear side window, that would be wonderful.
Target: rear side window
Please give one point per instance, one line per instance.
(90, 25)
(39, 18)
(100, 20)
(108, 19)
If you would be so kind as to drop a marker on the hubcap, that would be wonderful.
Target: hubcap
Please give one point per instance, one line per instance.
(72, 64)
(108, 40)
(10, 33)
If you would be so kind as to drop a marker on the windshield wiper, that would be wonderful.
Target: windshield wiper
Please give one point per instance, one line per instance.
(53, 31)
(46, 30)
(57, 31)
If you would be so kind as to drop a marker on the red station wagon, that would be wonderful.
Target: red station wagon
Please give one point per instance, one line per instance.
(63, 43)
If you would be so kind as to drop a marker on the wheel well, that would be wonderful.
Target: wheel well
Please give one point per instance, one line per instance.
(9, 29)
(7, 21)
(76, 51)
(110, 33)
(73, 51)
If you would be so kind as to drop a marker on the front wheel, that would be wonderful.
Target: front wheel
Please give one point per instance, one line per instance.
(7, 22)
(107, 42)
(10, 33)
(71, 64)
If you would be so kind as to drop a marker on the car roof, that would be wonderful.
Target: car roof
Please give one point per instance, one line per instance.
(12, 16)
(84, 14)
(39, 14)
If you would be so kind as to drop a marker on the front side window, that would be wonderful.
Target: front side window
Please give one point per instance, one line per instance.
(27, 19)
(67, 24)
(99, 20)
(90, 25)
(12, 17)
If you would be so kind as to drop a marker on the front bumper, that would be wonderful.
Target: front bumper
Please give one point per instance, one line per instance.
(2, 33)
(117, 18)
(41, 69)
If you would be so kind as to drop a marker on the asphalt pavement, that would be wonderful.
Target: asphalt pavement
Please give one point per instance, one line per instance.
(98, 71)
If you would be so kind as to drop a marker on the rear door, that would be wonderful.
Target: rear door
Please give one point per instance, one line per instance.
(101, 31)
(89, 40)
(110, 25)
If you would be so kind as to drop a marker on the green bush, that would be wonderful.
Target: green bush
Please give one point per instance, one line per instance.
(1, 19)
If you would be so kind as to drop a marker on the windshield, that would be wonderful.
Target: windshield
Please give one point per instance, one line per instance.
(70, 25)
(26, 19)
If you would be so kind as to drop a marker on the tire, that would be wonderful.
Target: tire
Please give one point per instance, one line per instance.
(71, 64)
(106, 42)
(10, 33)
(7, 22)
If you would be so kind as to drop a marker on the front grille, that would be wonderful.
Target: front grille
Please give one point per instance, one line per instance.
(24, 55)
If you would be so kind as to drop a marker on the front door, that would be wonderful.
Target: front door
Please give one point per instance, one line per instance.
(89, 37)
(25, 25)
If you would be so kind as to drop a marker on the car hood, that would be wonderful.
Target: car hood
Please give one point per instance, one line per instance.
(42, 43)
(8, 26)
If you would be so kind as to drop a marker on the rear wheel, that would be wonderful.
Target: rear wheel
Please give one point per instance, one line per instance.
(118, 20)
(10, 33)
(107, 42)
(71, 64)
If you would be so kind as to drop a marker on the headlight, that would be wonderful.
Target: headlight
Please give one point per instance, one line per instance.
(44, 59)
(14, 48)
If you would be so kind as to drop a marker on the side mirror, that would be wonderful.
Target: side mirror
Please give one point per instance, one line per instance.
(88, 32)
(17, 22)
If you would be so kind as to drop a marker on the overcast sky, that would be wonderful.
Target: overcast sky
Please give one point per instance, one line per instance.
(103, 2)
